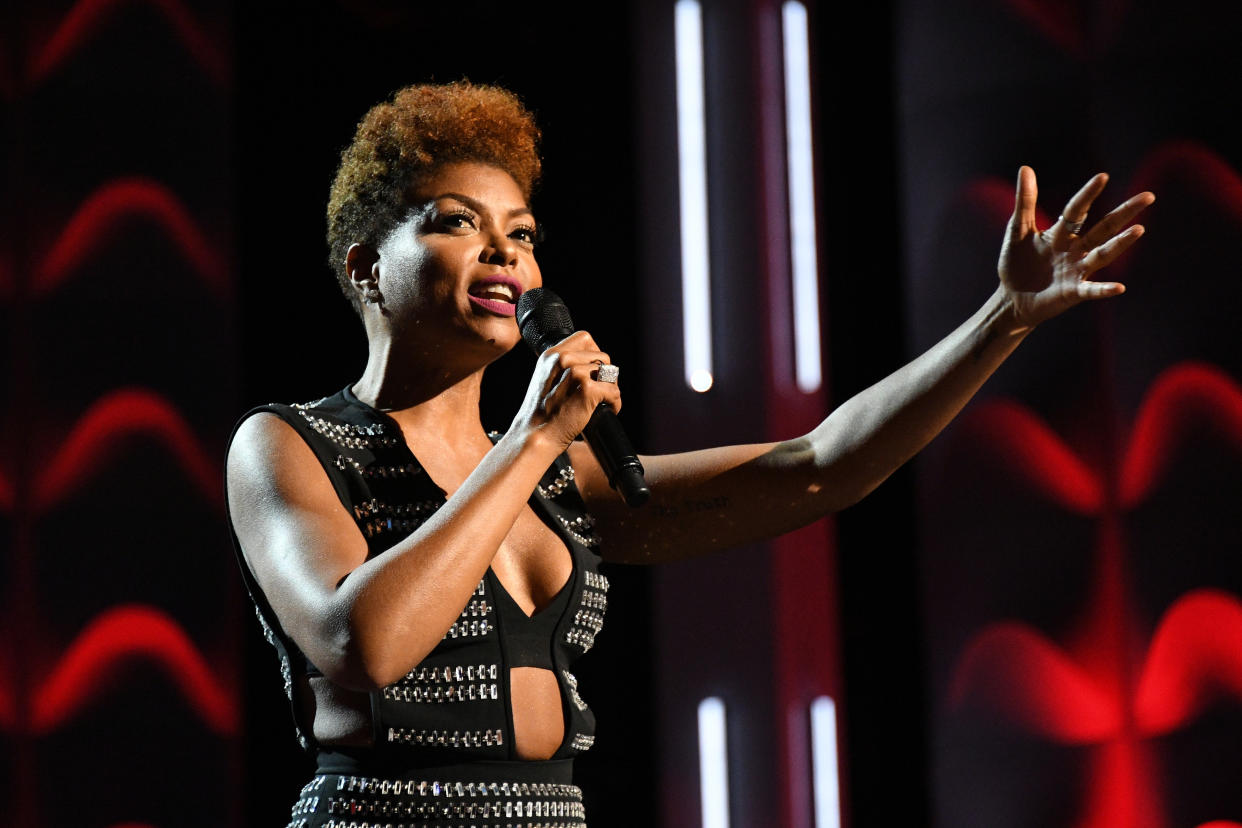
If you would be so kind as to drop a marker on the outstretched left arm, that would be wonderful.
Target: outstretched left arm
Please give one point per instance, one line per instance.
(722, 497)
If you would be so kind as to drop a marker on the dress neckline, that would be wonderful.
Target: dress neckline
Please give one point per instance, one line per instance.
(554, 607)
(538, 506)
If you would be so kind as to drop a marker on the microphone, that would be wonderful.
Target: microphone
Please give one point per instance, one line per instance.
(544, 321)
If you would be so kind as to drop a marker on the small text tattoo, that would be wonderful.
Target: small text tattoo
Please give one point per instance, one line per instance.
(692, 506)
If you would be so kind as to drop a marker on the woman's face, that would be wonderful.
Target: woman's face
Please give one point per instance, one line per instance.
(456, 266)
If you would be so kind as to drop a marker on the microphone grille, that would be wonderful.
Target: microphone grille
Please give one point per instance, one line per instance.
(543, 319)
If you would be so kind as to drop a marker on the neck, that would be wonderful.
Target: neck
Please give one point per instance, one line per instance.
(422, 389)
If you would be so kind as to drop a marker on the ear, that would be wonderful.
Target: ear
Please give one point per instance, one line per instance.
(362, 266)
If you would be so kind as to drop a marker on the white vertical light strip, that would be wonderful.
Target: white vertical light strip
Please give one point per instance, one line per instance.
(713, 763)
(692, 177)
(798, 150)
(824, 763)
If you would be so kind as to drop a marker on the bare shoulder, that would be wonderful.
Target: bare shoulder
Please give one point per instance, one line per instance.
(265, 450)
(281, 501)
(270, 466)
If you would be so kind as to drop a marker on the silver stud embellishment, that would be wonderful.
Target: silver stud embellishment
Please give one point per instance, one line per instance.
(558, 486)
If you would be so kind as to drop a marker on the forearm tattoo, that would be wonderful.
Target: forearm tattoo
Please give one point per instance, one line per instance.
(691, 506)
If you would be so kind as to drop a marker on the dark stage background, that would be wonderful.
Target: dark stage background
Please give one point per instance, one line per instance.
(1037, 624)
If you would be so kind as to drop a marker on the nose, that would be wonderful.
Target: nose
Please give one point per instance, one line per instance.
(499, 250)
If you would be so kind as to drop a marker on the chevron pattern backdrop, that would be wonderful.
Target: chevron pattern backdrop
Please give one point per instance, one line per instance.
(1078, 531)
(1079, 526)
(119, 668)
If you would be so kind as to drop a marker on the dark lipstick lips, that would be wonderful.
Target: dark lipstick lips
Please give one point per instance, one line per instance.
(502, 308)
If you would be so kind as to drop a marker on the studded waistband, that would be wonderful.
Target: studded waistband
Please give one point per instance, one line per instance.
(341, 801)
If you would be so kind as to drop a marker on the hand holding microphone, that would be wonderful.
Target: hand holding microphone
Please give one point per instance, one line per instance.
(544, 321)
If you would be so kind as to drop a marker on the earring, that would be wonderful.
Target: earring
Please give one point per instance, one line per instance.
(372, 296)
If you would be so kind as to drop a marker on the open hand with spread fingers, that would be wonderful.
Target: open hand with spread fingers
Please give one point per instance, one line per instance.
(1047, 272)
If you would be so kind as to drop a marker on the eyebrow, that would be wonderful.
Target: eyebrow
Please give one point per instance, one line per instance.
(478, 207)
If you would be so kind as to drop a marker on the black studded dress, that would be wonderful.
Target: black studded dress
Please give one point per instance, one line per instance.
(442, 736)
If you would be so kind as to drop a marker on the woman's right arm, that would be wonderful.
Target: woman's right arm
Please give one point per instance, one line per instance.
(363, 623)
(366, 623)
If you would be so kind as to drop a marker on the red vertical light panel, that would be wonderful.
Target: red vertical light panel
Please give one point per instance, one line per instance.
(765, 641)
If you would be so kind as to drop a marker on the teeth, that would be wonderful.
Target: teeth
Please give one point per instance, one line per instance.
(497, 291)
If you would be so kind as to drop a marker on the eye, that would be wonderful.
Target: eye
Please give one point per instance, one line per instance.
(459, 219)
(526, 234)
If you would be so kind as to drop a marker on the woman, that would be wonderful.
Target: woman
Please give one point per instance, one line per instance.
(426, 585)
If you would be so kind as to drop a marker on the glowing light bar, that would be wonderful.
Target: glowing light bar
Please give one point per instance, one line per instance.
(713, 763)
(692, 178)
(824, 763)
(798, 150)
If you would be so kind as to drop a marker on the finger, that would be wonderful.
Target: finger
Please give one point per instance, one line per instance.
(1113, 223)
(555, 363)
(1075, 211)
(1099, 290)
(1025, 197)
(606, 373)
(583, 357)
(566, 384)
(576, 341)
(612, 396)
(599, 390)
(1077, 207)
(577, 384)
(1107, 253)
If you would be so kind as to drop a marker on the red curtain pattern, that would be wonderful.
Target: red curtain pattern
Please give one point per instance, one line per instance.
(1079, 542)
(118, 668)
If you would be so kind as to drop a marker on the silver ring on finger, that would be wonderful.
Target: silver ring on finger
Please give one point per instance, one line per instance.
(607, 373)
(1074, 227)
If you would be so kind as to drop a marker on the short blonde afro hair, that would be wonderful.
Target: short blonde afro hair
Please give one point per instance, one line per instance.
(402, 141)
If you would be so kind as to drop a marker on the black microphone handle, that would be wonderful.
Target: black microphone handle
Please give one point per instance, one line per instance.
(607, 439)
(544, 321)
